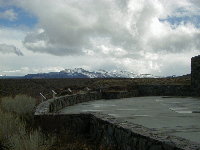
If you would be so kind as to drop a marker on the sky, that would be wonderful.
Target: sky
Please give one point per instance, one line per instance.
(141, 36)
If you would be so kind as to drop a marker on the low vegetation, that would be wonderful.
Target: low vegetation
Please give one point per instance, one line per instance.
(21, 105)
(14, 134)
(18, 132)
(33, 87)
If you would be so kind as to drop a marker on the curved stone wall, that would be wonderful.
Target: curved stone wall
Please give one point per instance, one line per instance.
(119, 135)
(56, 104)
(106, 132)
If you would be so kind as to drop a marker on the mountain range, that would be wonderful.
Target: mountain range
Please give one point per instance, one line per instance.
(82, 73)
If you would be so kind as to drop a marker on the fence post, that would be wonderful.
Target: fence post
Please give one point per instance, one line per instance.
(69, 90)
(43, 97)
(54, 93)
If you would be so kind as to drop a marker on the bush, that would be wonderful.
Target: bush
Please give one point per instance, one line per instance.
(15, 113)
(20, 105)
(32, 141)
(14, 136)
(10, 125)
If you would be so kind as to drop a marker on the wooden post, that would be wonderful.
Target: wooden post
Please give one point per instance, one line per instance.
(43, 97)
(54, 93)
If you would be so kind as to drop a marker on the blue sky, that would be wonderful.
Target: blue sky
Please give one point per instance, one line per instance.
(141, 36)
(24, 18)
(174, 20)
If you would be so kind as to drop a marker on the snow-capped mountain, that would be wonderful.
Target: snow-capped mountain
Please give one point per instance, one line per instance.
(82, 73)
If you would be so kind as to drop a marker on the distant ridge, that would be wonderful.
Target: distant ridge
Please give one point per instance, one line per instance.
(82, 73)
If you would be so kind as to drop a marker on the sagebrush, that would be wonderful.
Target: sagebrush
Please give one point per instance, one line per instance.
(14, 134)
(21, 104)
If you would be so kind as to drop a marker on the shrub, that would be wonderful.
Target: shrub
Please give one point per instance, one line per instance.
(32, 141)
(14, 136)
(10, 125)
(20, 105)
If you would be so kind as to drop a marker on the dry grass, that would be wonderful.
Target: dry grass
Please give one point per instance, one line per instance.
(20, 105)
(30, 141)
(10, 125)
(13, 130)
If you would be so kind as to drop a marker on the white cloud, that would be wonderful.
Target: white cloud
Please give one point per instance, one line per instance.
(10, 41)
(8, 15)
(4, 48)
(4, 3)
(70, 27)
(109, 34)
(27, 70)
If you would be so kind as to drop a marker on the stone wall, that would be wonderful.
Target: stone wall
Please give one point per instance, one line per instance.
(119, 135)
(164, 90)
(195, 75)
(107, 132)
(70, 100)
(60, 124)
(119, 94)
(56, 104)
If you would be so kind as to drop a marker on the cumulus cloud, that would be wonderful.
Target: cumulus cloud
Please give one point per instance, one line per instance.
(4, 48)
(27, 70)
(134, 35)
(8, 15)
(110, 26)
(196, 3)
(4, 3)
